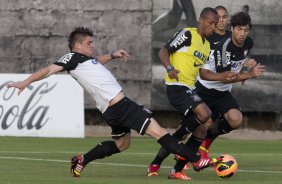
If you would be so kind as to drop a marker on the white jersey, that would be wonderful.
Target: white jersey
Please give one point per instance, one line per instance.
(226, 57)
(92, 76)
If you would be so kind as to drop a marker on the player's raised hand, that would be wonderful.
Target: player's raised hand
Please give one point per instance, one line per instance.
(121, 54)
(250, 63)
(172, 74)
(19, 85)
(257, 70)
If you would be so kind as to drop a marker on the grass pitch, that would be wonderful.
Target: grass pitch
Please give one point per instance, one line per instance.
(46, 161)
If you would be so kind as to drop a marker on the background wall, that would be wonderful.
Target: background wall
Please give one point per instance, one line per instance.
(33, 34)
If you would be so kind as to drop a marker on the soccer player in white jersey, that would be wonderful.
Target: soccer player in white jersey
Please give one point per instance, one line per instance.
(121, 113)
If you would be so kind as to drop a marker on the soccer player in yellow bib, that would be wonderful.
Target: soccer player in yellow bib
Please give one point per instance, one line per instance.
(182, 56)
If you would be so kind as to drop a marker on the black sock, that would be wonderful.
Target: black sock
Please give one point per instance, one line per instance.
(173, 146)
(179, 165)
(102, 150)
(193, 143)
(223, 127)
(162, 154)
(181, 133)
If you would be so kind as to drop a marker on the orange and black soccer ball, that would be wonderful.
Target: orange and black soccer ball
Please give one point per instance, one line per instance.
(227, 167)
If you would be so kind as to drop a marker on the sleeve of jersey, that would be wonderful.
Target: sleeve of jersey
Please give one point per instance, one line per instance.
(180, 39)
(217, 58)
(209, 65)
(68, 62)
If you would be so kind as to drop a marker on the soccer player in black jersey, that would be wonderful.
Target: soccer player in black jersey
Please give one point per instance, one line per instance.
(217, 75)
(121, 113)
(220, 31)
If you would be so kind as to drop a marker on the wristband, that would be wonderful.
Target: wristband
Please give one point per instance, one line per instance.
(113, 56)
(169, 68)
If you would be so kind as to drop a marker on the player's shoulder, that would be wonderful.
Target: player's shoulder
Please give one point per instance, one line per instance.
(73, 56)
(249, 42)
(191, 30)
(224, 42)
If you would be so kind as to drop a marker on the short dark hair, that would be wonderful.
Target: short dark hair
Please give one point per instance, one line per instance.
(206, 11)
(241, 19)
(220, 7)
(77, 33)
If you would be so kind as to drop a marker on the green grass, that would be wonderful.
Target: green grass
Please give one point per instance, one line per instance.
(46, 161)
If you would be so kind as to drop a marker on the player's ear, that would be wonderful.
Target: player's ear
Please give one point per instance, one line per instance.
(232, 28)
(201, 20)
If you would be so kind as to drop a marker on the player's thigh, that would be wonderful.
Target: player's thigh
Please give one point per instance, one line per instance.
(123, 142)
(128, 114)
(182, 98)
(224, 103)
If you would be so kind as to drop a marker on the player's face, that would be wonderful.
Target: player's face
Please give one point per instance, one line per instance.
(86, 46)
(239, 34)
(209, 23)
(222, 20)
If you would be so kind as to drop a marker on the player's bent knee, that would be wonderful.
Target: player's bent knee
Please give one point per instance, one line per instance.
(123, 143)
(203, 113)
(234, 118)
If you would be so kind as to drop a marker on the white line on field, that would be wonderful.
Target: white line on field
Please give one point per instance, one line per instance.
(72, 152)
(118, 164)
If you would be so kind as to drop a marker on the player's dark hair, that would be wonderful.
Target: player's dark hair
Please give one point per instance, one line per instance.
(220, 7)
(207, 11)
(77, 34)
(241, 19)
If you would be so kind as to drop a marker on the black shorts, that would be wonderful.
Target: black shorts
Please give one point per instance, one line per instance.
(182, 98)
(219, 102)
(126, 115)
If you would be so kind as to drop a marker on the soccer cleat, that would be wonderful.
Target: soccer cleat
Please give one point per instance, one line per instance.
(179, 176)
(205, 162)
(77, 165)
(153, 170)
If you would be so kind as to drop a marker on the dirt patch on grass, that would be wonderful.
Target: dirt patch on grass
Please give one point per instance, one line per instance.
(245, 134)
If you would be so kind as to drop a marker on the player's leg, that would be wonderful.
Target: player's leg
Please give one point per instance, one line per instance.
(180, 134)
(173, 145)
(201, 115)
(234, 118)
(176, 95)
(230, 119)
(104, 149)
(168, 142)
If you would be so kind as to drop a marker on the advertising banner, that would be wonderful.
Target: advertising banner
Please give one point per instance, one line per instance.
(52, 107)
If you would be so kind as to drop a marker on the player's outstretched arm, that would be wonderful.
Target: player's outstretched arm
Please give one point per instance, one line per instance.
(224, 77)
(36, 76)
(103, 59)
(255, 71)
